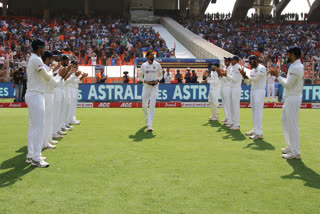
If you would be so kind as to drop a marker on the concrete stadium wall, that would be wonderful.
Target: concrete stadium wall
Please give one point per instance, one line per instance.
(198, 46)
(165, 4)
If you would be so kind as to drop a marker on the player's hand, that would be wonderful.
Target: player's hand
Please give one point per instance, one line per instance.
(69, 67)
(243, 73)
(78, 73)
(57, 66)
(63, 72)
(274, 72)
(223, 73)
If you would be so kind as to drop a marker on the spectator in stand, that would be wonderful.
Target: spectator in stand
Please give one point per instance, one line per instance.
(18, 84)
(125, 78)
(167, 76)
(187, 76)
(194, 77)
(205, 77)
(178, 77)
(101, 77)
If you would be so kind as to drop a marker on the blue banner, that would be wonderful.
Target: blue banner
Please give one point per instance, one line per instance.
(6, 90)
(311, 93)
(167, 92)
(132, 92)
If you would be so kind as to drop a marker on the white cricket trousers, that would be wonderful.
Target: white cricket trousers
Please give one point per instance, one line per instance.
(57, 110)
(225, 96)
(290, 122)
(149, 93)
(74, 101)
(66, 107)
(36, 108)
(235, 94)
(257, 102)
(48, 118)
(214, 101)
(271, 91)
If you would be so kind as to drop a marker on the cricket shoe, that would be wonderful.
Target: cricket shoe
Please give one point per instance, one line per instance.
(149, 129)
(62, 133)
(229, 125)
(249, 133)
(29, 160)
(49, 146)
(40, 163)
(285, 150)
(57, 136)
(65, 129)
(256, 136)
(69, 126)
(235, 128)
(53, 142)
(213, 118)
(291, 156)
(224, 121)
(75, 122)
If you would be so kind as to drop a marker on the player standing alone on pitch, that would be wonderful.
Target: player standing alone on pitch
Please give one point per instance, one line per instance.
(150, 74)
(292, 95)
(257, 80)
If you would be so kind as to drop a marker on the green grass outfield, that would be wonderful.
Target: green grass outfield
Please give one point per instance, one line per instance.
(109, 164)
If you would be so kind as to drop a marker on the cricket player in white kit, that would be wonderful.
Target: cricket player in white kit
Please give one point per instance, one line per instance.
(257, 80)
(150, 74)
(235, 79)
(225, 92)
(214, 92)
(38, 78)
(270, 89)
(48, 143)
(292, 95)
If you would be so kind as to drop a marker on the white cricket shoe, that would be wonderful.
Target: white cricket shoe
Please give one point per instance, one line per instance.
(29, 160)
(249, 133)
(69, 127)
(213, 118)
(62, 133)
(54, 142)
(285, 150)
(40, 163)
(75, 122)
(49, 146)
(235, 128)
(291, 156)
(224, 121)
(65, 129)
(229, 125)
(57, 136)
(256, 136)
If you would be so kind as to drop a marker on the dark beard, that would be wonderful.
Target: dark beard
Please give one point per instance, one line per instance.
(289, 60)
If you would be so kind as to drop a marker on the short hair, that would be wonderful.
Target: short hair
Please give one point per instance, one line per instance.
(216, 64)
(148, 52)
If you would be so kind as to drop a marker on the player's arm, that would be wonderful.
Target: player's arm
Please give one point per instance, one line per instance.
(259, 75)
(235, 77)
(141, 74)
(45, 75)
(160, 73)
(290, 81)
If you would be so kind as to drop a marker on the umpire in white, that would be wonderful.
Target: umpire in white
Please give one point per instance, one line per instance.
(292, 95)
(150, 74)
(38, 78)
(257, 80)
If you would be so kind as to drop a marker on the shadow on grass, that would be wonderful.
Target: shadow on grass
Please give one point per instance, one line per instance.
(260, 144)
(212, 123)
(141, 135)
(302, 172)
(17, 166)
(234, 135)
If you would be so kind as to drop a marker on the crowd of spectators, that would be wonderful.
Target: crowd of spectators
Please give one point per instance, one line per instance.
(262, 38)
(96, 40)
